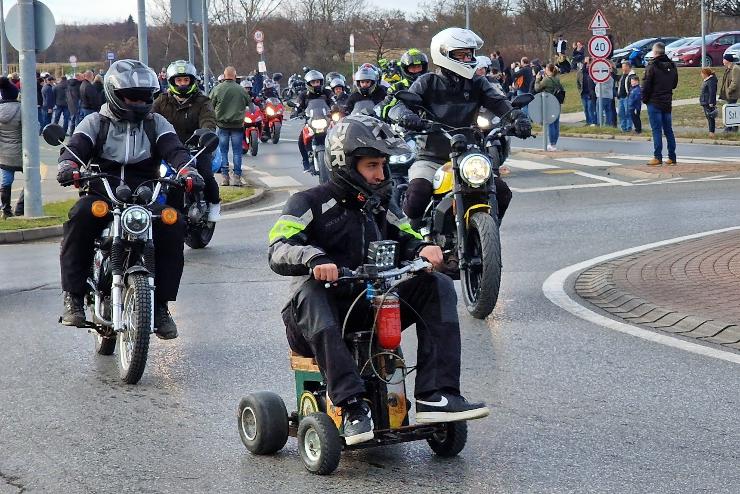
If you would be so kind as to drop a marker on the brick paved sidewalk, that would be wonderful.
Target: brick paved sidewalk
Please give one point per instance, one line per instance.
(691, 288)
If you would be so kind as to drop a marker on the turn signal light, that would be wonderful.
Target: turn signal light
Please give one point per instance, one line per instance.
(169, 216)
(99, 209)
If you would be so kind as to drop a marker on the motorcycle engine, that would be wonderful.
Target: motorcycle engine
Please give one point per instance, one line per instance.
(196, 212)
(102, 275)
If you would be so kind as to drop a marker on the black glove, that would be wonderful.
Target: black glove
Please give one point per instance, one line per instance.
(522, 124)
(193, 139)
(66, 172)
(412, 121)
(191, 178)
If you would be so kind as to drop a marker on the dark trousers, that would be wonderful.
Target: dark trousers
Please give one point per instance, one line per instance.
(314, 317)
(636, 122)
(78, 243)
(204, 165)
(302, 149)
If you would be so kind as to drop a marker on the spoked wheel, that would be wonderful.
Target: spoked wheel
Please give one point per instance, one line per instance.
(263, 422)
(481, 281)
(276, 133)
(253, 143)
(198, 236)
(451, 440)
(319, 443)
(133, 341)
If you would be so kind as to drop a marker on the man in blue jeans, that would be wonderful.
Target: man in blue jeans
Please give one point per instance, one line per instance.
(230, 100)
(661, 78)
(587, 90)
(623, 92)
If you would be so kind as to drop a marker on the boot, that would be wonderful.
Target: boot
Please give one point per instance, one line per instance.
(74, 310)
(164, 326)
(5, 211)
(20, 205)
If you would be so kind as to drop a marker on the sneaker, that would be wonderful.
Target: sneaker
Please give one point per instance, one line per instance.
(74, 310)
(448, 408)
(357, 423)
(306, 167)
(654, 162)
(670, 162)
(592, 125)
(550, 147)
(225, 180)
(238, 181)
(164, 326)
(214, 212)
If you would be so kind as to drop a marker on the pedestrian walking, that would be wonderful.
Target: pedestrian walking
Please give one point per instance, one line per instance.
(624, 88)
(47, 96)
(661, 78)
(230, 101)
(90, 101)
(730, 89)
(708, 98)
(524, 80)
(549, 82)
(587, 90)
(73, 102)
(11, 151)
(635, 103)
(61, 108)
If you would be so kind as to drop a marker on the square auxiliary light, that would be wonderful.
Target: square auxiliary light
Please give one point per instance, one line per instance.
(382, 254)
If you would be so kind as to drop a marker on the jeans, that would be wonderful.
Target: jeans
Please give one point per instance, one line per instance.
(7, 177)
(661, 123)
(233, 136)
(589, 109)
(605, 107)
(61, 111)
(553, 131)
(625, 120)
(42, 118)
(525, 109)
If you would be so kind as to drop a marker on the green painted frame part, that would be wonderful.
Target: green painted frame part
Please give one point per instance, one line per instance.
(301, 378)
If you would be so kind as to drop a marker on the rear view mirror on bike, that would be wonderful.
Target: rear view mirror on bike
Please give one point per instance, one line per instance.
(54, 134)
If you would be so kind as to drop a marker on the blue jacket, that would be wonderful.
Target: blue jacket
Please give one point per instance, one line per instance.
(635, 97)
(47, 93)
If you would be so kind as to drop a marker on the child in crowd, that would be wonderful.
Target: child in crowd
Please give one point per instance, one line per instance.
(635, 101)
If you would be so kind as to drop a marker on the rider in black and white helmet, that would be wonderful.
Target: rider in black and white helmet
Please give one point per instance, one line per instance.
(314, 89)
(368, 88)
(340, 92)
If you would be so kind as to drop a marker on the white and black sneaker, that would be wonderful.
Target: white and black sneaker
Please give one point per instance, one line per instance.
(358, 425)
(443, 407)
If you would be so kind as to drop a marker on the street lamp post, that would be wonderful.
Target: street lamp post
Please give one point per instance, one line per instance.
(143, 43)
(467, 14)
(703, 35)
(3, 45)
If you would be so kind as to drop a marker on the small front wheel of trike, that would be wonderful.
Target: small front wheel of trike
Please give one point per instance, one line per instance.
(451, 440)
(319, 443)
(263, 422)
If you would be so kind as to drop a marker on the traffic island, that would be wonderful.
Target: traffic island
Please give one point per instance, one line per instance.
(680, 170)
(691, 288)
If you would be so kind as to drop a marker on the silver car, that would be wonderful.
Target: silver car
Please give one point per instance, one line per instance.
(671, 47)
(734, 50)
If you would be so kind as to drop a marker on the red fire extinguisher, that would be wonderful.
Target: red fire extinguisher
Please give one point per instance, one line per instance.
(388, 321)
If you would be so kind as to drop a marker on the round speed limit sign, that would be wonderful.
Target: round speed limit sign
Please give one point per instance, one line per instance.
(599, 47)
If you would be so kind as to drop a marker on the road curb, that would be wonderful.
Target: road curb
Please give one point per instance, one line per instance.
(30, 234)
(684, 140)
(597, 286)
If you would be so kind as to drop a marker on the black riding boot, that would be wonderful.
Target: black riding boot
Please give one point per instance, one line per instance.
(20, 205)
(5, 210)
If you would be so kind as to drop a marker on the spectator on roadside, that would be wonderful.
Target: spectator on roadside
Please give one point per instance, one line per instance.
(623, 91)
(98, 85)
(15, 78)
(560, 45)
(661, 78)
(587, 90)
(524, 80)
(708, 97)
(61, 109)
(605, 102)
(579, 54)
(73, 102)
(90, 101)
(162, 79)
(230, 101)
(47, 95)
(549, 82)
(730, 89)
(11, 152)
(40, 100)
(635, 103)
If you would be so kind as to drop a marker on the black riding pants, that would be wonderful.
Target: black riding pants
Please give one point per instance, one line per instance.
(314, 318)
(205, 169)
(78, 243)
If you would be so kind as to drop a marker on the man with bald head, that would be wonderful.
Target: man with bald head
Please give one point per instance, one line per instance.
(90, 98)
(230, 101)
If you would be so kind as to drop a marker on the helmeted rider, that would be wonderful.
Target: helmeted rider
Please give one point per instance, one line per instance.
(268, 90)
(340, 94)
(187, 109)
(329, 227)
(127, 140)
(366, 82)
(314, 90)
(455, 95)
(247, 85)
(413, 64)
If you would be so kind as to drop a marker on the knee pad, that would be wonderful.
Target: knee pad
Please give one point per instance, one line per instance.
(418, 196)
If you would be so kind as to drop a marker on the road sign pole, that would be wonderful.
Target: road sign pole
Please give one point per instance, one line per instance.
(29, 111)
(206, 70)
(143, 42)
(3, 41)
(544, 125)
(189, 24)
(703, 35)
(598, 104)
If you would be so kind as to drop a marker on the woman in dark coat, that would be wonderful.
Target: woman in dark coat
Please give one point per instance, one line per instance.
(708, 97)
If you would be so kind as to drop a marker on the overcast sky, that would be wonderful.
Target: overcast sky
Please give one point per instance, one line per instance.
(91, 11)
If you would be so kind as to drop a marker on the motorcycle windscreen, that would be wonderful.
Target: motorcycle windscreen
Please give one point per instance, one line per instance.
(317, 108)
(364, 107)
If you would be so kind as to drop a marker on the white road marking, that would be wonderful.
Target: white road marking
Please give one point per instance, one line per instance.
(610, 180)
(666, 181)
(528, 165)
(249, 214)
(563, 187)
(288, 140)
(281, 181)
(639, 181)
(681, 159)
(554, 290)
(589, 162)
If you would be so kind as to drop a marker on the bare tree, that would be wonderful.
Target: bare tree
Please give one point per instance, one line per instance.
(551, 17)
(384, 29)
(730, 8)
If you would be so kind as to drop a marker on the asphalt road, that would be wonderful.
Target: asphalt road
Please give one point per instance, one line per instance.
(575, 407)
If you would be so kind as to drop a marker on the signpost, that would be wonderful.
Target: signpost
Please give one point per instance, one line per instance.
(599, 48)
(259, 36)
(73, 63)
(260, 47)
(352, 52)
(110, 56)
(600, 71)
(731, 114)
(545, 109)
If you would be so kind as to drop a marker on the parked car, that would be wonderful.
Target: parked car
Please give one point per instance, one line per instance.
(716, 44)
(734, 50)
(672, 47)
(635, 52)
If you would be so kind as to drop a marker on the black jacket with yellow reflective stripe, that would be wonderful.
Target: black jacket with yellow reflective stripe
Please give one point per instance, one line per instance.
(322, 225)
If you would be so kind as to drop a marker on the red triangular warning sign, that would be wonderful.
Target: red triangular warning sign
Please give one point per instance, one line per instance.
(598, 21)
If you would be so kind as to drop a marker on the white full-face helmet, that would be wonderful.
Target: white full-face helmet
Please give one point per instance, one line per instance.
(449, 40)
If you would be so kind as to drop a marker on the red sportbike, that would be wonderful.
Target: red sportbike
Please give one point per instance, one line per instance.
(253, 125)
(273, 120)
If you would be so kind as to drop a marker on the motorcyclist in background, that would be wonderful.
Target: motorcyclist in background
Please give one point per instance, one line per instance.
(127, 140)
(412, 65)
(187, 109)
(269, 90)
(340, 93)
(366, 81)
(314, 89)
(455, 95)
(247, 85)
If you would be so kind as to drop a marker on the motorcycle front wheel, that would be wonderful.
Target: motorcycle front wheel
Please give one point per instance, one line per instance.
(276, 133)
(133, 341)
(481, 280)
(198, 236)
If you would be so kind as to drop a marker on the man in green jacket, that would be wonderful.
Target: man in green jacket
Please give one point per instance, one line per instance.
(230, 100)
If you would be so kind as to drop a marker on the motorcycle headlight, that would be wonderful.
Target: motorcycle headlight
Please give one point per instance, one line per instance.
(335, 116)
(319, 124)
(136, 220)
(401, 159)
(247, 120)
(475, 169)
(163, 170)
(270, 111)
(483, 122)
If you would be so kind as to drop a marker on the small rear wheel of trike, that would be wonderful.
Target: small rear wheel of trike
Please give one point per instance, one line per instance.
(319, 443)
(451, 440)
(263, 422)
